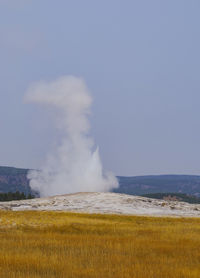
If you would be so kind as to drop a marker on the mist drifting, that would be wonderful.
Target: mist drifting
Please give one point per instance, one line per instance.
(73, 166)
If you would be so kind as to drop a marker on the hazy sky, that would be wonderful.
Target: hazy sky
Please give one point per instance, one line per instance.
(140, 60)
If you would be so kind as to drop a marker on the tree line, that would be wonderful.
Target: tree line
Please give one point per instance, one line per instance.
(10, 196)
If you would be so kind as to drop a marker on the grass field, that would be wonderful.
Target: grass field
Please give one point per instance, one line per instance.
(68, 245)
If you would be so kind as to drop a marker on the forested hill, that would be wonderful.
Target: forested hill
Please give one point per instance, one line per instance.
(14, 179)
(141, 185)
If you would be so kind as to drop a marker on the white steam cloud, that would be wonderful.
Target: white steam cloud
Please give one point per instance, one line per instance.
(72, 166)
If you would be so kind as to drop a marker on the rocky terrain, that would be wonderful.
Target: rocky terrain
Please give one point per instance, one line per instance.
(113, 203)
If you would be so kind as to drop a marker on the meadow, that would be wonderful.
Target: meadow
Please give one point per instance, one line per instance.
(72, 245)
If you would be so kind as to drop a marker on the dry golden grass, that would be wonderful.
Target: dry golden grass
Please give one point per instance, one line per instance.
(69, 245)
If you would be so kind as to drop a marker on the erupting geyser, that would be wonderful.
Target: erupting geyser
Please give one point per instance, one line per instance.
(73, 166)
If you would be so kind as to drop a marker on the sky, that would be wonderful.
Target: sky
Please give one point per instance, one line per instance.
(141, 62)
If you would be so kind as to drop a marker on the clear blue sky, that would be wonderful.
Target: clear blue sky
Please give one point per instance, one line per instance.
(141, 61)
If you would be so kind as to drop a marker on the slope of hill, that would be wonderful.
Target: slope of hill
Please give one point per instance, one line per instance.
(181, 197)
(188, 184)
(111, 203)
(14, 179)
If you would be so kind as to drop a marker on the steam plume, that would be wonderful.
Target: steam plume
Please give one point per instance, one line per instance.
(73, 166)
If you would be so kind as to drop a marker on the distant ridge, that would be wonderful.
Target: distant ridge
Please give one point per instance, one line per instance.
(15, 179)
(140, 185)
